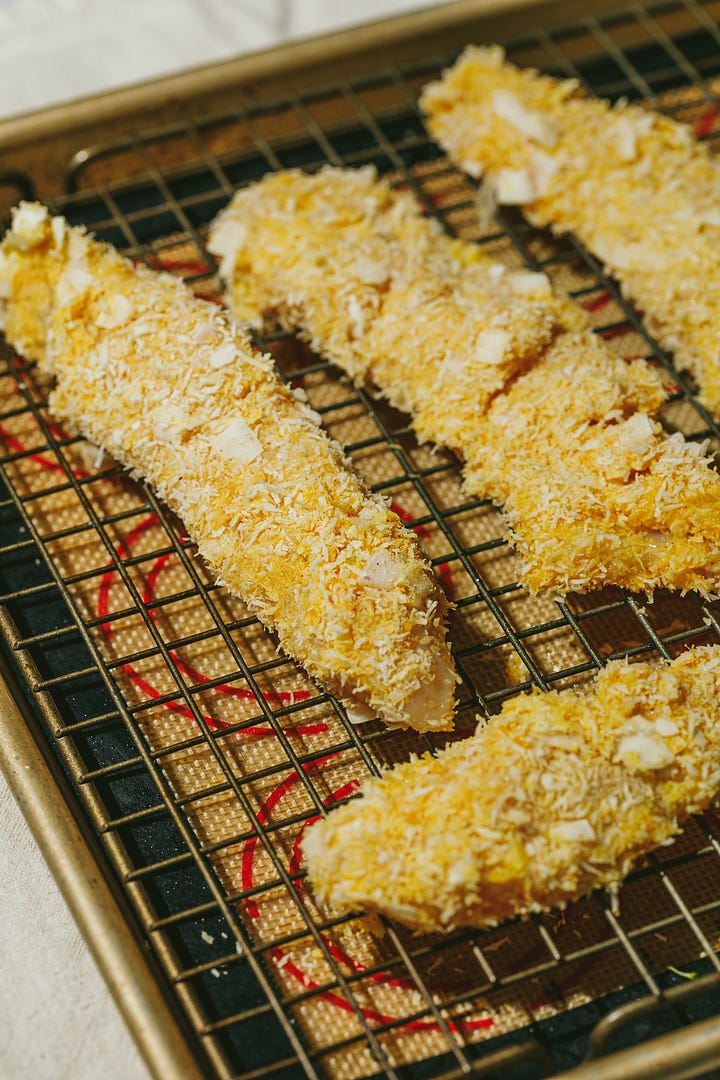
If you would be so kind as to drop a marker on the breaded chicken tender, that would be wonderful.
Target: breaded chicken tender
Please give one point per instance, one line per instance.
(173, 390)
(634, 186)
(594, 489)
(561, 793)
(381, 291)
(491, 364)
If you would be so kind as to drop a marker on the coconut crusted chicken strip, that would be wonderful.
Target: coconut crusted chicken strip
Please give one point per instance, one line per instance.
(491, 364)
(170, 388)
(595, 491)
(381, 291)
(560, 794)
(634, 186)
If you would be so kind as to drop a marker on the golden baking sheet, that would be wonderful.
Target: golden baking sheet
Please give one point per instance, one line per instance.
(248, 750)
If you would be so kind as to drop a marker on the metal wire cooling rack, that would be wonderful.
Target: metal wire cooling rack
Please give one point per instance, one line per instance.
(192, 755)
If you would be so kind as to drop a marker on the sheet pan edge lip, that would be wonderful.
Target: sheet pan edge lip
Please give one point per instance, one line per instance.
(155, 95)
(672, 1056)
(89, 897)
(243, 71)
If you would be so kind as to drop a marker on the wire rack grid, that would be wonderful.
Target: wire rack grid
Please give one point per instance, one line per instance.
(198, 754)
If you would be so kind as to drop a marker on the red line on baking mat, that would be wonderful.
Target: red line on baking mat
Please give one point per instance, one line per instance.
(283, 959)
(184, 266)
(598, 302)
(705, 121)
(286, 696)
(123, 550)
(18, 447)
(169, 263)
(615, 331)
(444, 572)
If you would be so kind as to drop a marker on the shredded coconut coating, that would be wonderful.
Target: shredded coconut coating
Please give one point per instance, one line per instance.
(560, 794)
(593, 488)
(173, 390)
(490, 363)
(381, 291)
(634, 186)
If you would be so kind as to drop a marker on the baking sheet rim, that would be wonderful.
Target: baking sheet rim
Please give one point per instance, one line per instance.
(178, 90)
(26, 770)
(75, 869)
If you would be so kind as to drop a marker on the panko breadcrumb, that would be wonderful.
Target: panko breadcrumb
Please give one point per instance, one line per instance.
(492, 364)
(633, 185)
(593, 488)
(560, 794)
(382, 292)
(173, 390)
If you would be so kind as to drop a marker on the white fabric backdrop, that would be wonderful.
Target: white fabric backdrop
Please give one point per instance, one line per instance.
(57, 1019)
(56, 50)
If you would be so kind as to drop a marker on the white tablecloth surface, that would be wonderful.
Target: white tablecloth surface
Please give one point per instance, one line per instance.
(56, 1015)
(56, 50)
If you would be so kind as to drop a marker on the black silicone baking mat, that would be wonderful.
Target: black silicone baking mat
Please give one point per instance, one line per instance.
(197, 754)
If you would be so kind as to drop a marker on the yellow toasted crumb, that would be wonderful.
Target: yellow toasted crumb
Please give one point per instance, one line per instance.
(168, 386)
(634, 186)
(381, 291)
(491, 364)
(594, 489)
(560, 794)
